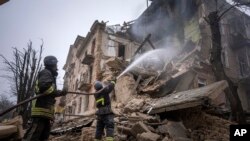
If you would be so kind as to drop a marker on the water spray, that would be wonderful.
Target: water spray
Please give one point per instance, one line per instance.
(148, 56)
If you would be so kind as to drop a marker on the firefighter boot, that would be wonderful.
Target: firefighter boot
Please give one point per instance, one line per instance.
(109, 139)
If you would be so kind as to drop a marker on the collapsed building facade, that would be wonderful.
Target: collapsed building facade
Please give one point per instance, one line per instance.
(86, 63)
(177, 82)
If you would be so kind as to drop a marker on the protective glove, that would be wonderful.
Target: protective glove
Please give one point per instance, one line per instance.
(64, 91)
(112, 80)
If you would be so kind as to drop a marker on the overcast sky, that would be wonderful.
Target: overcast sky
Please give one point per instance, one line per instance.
(57, 22)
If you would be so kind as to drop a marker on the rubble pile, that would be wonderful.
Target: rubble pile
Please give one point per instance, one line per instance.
(73, 130)
(168, 104)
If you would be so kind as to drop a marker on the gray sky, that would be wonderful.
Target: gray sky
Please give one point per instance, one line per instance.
(57, 22)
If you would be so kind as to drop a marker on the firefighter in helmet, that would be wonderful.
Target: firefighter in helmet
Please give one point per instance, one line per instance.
(105, 116)
(42, 111)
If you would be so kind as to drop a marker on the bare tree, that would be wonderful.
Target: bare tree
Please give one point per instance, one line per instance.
(4, 104)
(213, 19)
(23, 69)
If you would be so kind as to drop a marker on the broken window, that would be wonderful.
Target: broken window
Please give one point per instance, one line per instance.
(121, 51)
(74, 107)
(243, 59)
(224, 58)
(86, 102)
(70, 109)
(80, 105)
(201, 82)
(76, 86)
(93, 47)
(111, 48)
(90, 73)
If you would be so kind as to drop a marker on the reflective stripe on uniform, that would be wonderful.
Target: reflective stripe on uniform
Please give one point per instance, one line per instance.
(100, 100)
(37, 90)
(48, 91)
(37, 111)
(42, 112)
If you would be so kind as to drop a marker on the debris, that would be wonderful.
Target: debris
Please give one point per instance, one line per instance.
(116, 64)
(138, 128)
(88, 134)
(124, 88)
(12, 129)
(190, 98)
(176, 129)
(134, 105)
(148, 136)
(72, 126)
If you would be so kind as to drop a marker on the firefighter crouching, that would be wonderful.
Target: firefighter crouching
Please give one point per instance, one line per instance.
(105, 116)
(42, 111)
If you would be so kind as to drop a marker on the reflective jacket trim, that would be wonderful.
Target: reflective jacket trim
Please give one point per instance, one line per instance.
(38, 111)
(100, 100)
(36, 87)
(48, 91)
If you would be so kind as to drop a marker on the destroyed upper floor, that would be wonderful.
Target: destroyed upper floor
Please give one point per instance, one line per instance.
(181, 24)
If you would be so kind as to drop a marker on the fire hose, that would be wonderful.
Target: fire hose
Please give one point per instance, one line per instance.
(41, 95)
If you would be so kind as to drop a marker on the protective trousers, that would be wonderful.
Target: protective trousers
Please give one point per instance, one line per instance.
(105, 121)
(39, 130)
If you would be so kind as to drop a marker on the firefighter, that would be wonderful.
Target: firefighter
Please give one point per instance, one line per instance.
(42, 111)
(105, 116)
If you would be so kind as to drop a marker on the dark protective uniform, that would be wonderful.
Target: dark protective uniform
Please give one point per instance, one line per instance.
(105, 116)
(42, 111)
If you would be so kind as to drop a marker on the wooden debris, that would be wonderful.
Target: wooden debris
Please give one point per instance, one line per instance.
(7, 130)
(13, 126)
(72, 126)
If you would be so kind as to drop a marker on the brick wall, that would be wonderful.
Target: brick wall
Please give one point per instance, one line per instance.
(204, 126)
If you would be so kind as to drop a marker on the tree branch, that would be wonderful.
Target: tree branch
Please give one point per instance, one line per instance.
(231, 7)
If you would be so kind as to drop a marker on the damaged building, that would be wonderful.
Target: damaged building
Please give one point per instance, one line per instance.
(86, 63)
(173, 94)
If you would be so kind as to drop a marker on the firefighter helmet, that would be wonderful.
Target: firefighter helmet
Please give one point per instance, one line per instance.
(50, 61)
(98, 85)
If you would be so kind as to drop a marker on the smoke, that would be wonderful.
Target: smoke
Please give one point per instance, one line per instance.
(164, 20)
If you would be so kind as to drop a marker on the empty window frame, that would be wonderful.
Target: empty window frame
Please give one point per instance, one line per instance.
(80, 105)
(93, 47)
(121, 51)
